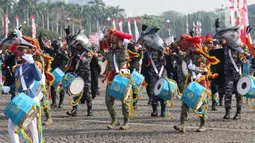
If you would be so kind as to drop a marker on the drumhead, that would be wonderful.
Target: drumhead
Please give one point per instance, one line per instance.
(200, 102)
(185, 68)
(244, 85)
(76, 87)
(30, 116)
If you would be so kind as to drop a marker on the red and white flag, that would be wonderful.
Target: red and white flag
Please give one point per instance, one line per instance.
(120, 24)
(232, 4)
(194, 27)
(6, 25)
(129, 26)
(113, 23)
(137, 35)
(17, 20)
(33, 27)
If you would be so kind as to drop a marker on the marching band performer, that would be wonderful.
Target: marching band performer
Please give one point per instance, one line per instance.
(118, 42)
(231, 43)
(25, 75)
(60, 60)
(197, 60)
(81, 51)
(154, 45)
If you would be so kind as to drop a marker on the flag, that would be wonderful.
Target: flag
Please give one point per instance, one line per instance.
(113, 22)
(120, 24)
(33, 27)
(232, 12)
(187, 28)
(6, 25)
(232, 4)
(194, 27)
(129, 27)
(137, 35)
(17, 20)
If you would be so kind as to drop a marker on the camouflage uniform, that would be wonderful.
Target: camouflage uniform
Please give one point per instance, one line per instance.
(122, 57)
(199, 61)
(84, 72)
(231, 79)
(158, 58)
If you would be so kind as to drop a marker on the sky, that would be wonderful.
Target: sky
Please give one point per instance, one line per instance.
(156, 7)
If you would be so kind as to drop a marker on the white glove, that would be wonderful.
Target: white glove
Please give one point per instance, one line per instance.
(6, 89)
(101, 36)
(29, 58)
(191, 66)
(125, 42)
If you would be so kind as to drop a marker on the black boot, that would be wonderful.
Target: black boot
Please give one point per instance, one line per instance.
(213, 106)
(73, 112)
(61, 98)
(53, 105)
(238, 113)
(89, 111)
(163, 110)
(155, 111)
(134, 105)
(227, 115)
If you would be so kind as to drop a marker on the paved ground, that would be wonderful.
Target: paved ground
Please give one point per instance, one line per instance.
(143, 128)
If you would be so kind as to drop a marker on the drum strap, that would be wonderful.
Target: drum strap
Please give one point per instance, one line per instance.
(78, 63)
(115, 64)
(233, 61)
(155, 68)
(23, 83)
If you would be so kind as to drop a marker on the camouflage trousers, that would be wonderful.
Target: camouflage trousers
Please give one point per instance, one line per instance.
(109, 101)
(47, 109)
(185, 112)
(231, 79)
(217, 87)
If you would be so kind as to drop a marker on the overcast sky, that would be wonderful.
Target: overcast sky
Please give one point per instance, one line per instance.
(140, 7)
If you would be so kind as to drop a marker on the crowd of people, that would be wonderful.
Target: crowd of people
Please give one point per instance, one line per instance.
(202, 68)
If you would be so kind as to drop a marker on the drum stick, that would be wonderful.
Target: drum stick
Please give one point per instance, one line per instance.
(9, 70)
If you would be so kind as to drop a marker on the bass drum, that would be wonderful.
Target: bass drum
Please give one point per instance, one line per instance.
(184, 68)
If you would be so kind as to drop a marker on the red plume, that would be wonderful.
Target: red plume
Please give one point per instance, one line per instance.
(208, 36)
(123, 35)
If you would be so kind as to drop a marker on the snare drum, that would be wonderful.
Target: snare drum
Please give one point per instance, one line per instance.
(165, 88)
(246, 86)
(194, 95)
(73, 83)
(20, 110)
(120, 88)
(58, 74)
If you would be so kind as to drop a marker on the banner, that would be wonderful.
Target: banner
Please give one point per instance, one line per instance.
(187, 28)
(6, 25)
(137, 35)
(129, 26)
(17, 20)
(120, 24)
(113, 23)
(33, 27)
